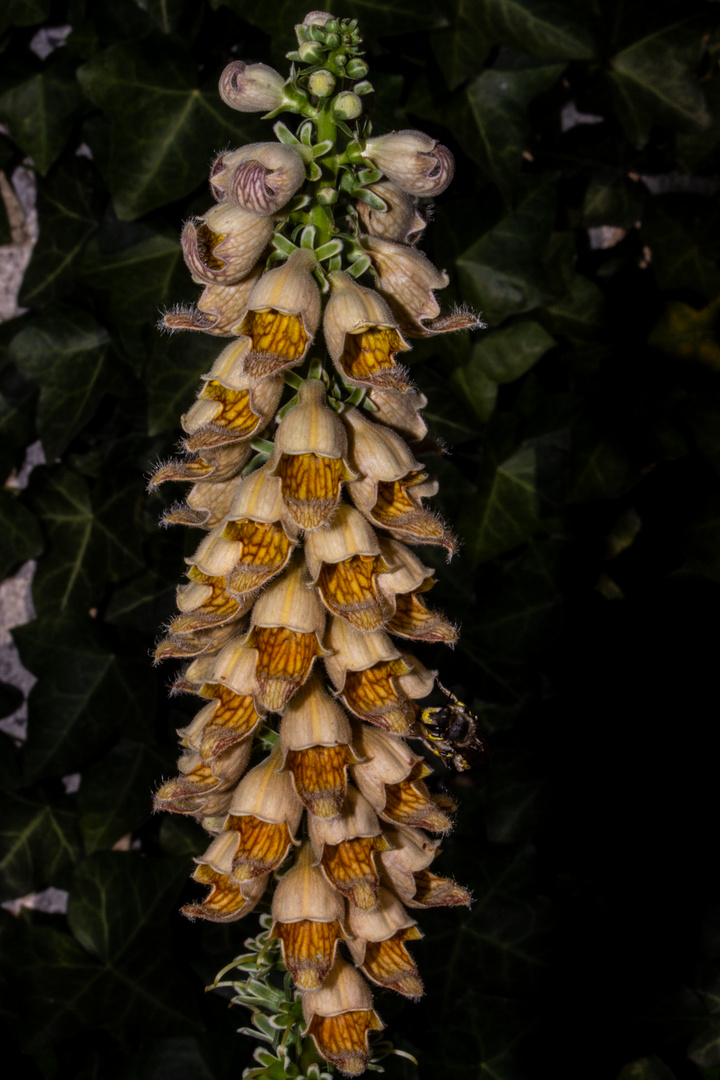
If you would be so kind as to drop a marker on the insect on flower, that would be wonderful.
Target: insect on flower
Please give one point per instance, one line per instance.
(451, 732)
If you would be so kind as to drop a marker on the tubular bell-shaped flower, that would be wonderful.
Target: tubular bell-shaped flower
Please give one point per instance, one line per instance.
(362, 336)
(282, 315)
(316, 740)
(308, 916)
(222, 415)
(377, 945)
(286, 628)
(339, 1018)
(310, 457)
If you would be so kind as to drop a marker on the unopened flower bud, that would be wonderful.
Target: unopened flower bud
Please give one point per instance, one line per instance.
(321, 83)
(251, 87)
(317, 18)
(222, 246)
(311, 52)
(347, 106)
(260, 177)
(356, 69)
(415, 161)
(326, 196)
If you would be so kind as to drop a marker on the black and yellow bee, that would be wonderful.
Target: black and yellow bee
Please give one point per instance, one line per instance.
(451, 732)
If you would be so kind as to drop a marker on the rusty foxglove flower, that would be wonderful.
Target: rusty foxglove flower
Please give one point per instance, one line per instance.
(417, 163)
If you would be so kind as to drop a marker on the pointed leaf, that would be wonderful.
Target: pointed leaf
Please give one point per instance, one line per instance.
(549, 29)
(506, 514)
(91, 538)
(38, 845)
(498, 101)
(84, 697)
(65, 351)
(503, 271)
(22, 538)
(40, 113)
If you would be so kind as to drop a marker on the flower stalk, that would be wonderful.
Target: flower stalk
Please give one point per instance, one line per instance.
(303, 592)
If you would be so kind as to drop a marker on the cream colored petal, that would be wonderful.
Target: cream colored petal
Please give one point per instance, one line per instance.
(311, 427)
(313, 718)
(375, 450)
(357, 819)
(289, 601)
(268, 795)
(347, 534)
(303, 893)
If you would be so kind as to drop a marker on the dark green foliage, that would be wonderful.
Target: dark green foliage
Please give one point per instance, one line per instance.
(584, 428)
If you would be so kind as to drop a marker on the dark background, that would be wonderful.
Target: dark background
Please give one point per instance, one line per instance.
(585, 435)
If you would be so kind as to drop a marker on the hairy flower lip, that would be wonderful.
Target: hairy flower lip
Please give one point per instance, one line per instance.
(400, 410)
(218, 310)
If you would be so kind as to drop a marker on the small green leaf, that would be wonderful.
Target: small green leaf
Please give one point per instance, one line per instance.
(40, 113)
(22, 538)
(600, 467)
(65, 351)
(38, 845)
(85, 695)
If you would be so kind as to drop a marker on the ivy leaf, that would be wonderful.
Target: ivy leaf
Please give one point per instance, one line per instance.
(116, 898)
(115, 795)
(654, 82)
(85, 694)
(90, 539)
(549, 29)
(504, 355)
(677, 257)
(21, 534)
(23, 12)
(64, 350)
(578, 310)
(40, 113)
(498, 101)
(67, 205)
(137, 271)
(507, 509)
(165, 128)
(461, 48)
(503, 270)
(521, 603)
(119, 906)
(38, 845)
(600, 468)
